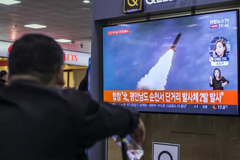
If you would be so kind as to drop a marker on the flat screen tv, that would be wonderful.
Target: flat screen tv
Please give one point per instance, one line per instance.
(178, 65)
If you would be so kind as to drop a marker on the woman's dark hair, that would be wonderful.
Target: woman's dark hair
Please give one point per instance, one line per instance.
(37, 55)
(83, 86)
(217, 69)
(224, 45)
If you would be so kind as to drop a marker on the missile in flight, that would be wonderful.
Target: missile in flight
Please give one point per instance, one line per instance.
(176, 41)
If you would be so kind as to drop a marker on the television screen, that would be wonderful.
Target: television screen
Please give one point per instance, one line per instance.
(178, 65)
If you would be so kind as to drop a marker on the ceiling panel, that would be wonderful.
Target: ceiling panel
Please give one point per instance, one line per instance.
(68, 19)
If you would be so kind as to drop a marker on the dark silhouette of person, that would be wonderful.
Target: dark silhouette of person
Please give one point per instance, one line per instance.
(39, 120)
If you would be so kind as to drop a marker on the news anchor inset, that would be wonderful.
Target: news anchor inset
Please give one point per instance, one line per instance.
(220, 48)
(217, 81)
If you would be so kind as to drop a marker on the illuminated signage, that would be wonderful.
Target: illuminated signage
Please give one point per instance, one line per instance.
(70, 57)
(76, 58)
(150, 2)
(130, 6)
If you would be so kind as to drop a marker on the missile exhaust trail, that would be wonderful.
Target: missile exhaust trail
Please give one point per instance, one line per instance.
(156, 79)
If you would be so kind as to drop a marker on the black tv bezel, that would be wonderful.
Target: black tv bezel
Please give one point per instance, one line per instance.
(155, 112)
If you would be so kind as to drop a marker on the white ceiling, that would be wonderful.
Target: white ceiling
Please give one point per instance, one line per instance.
(67, 19)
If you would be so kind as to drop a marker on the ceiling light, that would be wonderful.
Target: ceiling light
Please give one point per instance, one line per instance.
(63, 40)
(9, 2)
(35, 26)
(86, 1)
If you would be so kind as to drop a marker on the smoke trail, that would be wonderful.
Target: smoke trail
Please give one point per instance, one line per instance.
(156, 79)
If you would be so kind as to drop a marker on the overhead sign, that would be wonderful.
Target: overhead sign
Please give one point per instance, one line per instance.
(130, 6)
(150, 2)
(70, 57)
(76, 58)
(166, 151)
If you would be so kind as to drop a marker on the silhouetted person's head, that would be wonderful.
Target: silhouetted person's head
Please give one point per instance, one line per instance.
(3, 75)
(36, 57)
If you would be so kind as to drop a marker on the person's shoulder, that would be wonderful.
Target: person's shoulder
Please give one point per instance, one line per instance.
(79, 101)
(75, 96)
(72, 91)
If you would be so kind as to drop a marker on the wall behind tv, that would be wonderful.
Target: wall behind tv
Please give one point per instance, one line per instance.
(200, 137)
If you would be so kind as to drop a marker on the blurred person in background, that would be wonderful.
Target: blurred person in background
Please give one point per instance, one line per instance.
(3, 79)
(83, 86)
